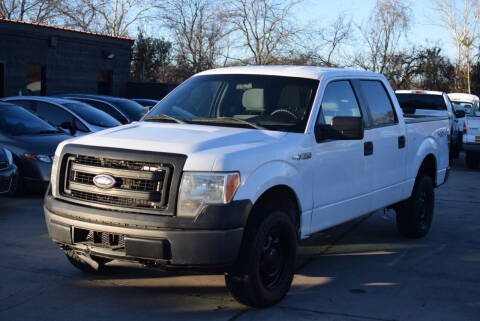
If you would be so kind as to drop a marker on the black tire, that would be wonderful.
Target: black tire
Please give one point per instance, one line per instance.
(264, 271)
(84, 267)
(471, 160)
(414, 215)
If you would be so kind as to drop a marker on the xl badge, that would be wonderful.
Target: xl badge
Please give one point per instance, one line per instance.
(104, 181)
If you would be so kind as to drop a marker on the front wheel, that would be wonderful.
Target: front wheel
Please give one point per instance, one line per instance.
(414, 215)
(264, 272)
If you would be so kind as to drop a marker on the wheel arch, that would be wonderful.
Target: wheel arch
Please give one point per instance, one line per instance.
(280, 197)
(429, 167)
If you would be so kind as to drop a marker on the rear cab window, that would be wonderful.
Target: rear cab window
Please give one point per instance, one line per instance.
(412, 101)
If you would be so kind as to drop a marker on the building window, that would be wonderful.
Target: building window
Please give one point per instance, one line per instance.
(35, 83)
(104, 78)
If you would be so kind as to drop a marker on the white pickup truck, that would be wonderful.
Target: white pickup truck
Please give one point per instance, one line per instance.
(471, 137)
(236, 165)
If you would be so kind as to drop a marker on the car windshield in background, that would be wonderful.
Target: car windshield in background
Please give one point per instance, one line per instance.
(133, 110)
(421, 101)
(15, 120)
(465, 106)
(251, 101)
(92, 115)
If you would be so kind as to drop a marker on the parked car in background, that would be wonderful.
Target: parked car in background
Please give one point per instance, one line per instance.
(471, 137)
(122, 109)
(32, 142)
(146, 102)
(76, 117)
(433, 103)
(8, 171)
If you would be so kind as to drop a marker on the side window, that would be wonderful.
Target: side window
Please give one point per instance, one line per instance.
(379, 103)
(53, 114)
(106, 108)
(24, 103)
(338, 100)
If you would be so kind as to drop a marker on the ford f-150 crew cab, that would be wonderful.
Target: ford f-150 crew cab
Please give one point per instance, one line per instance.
(236, 165)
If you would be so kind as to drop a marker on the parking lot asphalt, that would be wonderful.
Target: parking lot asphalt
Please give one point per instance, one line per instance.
(363, 270)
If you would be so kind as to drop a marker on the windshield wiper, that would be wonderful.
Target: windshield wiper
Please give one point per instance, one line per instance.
(165, 118)
(227, 120)
(50, 131)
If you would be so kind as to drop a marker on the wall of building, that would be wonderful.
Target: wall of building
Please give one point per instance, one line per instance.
(71, 60)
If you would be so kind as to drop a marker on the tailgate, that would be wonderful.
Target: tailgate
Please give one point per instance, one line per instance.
(473, 130)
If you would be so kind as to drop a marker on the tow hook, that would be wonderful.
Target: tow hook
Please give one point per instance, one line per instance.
(82, 257)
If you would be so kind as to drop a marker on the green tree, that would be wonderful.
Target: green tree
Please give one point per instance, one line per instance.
(151, 59)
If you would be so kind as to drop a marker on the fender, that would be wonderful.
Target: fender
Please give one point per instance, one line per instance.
(276, 173)
(427, 147)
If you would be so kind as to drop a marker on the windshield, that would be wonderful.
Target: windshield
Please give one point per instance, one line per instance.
(269, 102)
(421, 101)
(15, 120)
(92, 115)
(133, 110)
(461, 105)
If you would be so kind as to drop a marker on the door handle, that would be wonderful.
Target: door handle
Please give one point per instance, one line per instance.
(401, 142)
(367, 148)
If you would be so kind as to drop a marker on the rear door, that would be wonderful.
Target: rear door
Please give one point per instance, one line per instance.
(388, 139)
(342, 184)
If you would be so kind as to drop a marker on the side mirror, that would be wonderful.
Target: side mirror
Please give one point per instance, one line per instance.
(70, 127)
(460, 113)
(342, 128)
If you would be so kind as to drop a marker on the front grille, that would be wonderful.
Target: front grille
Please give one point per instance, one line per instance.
(113, 200)
(137, 184)
(99, 239)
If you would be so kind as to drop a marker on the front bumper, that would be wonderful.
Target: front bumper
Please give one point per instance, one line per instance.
(471, 147)
(170, 241)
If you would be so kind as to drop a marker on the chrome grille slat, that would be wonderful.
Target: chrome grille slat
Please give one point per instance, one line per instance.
(141, 185)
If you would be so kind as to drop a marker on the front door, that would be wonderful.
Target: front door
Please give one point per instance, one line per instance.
(341, 182)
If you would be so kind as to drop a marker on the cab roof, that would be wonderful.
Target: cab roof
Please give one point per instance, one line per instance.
(311, 72)
(419, 91)
(463, 97)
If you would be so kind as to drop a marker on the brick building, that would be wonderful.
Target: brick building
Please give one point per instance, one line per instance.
(47, 60)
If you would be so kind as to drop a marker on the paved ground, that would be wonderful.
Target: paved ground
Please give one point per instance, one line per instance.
(370, 273)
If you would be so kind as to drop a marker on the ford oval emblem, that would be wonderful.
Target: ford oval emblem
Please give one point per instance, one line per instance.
(104, 181)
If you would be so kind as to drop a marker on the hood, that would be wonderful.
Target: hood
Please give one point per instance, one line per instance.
(39, 144)
(179, 138)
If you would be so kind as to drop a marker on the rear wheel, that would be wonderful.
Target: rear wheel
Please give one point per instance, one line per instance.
(471, 160)
(414, 215)
(264, 272)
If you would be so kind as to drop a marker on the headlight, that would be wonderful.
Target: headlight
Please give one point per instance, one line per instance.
(53, 175)
(200, 189)
(9, 156)
(41, 158)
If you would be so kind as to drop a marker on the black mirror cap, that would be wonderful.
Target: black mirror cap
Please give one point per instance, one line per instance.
(460, 113)
(69, 126)
(342, 128)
